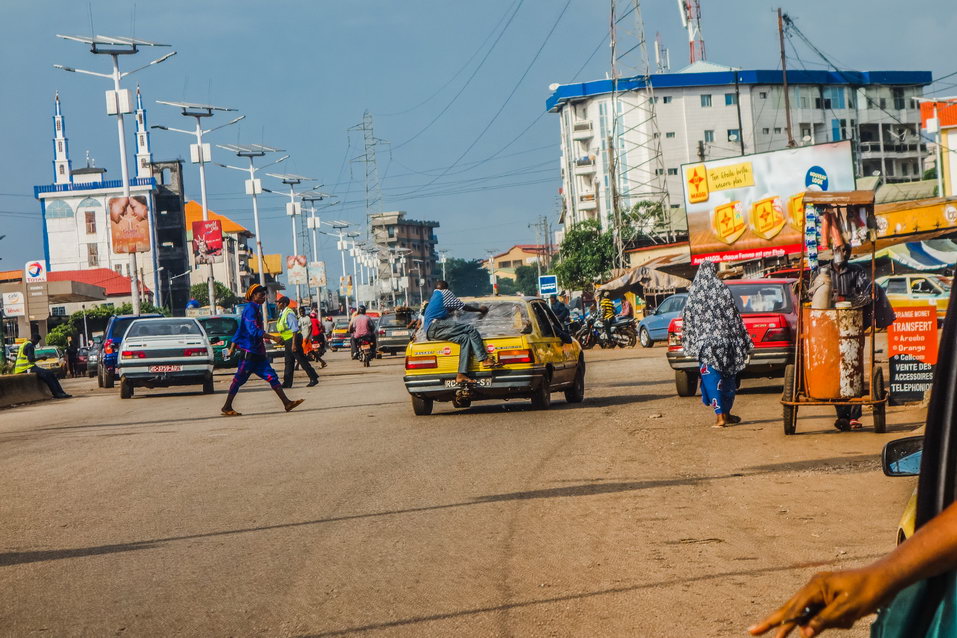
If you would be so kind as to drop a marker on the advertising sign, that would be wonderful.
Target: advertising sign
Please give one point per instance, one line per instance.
(912, 348)
(345, 285)
(547, 285)
(753, 206)
(296, 270)
(14, 305)
(34, 272)
(317, 274)
(129, 224)
(208, 241)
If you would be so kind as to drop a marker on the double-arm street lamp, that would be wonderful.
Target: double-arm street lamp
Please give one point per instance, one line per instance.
(118, 102)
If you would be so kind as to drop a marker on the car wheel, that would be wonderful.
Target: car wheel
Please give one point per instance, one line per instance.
(790, 394)
(576, 393)
(542, 396)
(109, 378)
(686, 382)
(334, 349)
(126, 388)
(880, 409)
(208, 387)
(645, 339)
(422, 406)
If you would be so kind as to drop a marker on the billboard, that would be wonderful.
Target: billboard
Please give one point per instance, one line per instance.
(14, 304)
(296, 270)
(752, 206)
(208, 241)
(317, 274)
(129, 224)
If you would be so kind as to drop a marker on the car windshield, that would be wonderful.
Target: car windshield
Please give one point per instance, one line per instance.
(120, 326)
(164, 328)
(751, 298)
(340, 325)
(503, 318)
(43, 353)
(392, 321)
(220, 326)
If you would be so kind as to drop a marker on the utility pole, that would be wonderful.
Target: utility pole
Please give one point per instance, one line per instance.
(372, 185)
(784, 75)
(701, 150)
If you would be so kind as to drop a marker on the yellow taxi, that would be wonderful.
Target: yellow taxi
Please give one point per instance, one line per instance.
(538, 358)
(914, 289)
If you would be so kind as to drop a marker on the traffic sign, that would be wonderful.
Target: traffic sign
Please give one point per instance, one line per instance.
(547, 285)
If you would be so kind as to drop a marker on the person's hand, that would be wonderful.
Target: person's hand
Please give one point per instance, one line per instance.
(845, 597)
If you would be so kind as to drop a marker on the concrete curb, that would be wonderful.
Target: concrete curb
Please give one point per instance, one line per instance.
(22, 388)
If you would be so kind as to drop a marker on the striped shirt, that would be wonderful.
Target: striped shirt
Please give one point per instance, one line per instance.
(440, 305)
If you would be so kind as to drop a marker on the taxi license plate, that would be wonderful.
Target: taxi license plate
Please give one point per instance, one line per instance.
(170, 368)
(484, 382)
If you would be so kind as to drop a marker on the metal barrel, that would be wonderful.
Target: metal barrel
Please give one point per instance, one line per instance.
(833, 353)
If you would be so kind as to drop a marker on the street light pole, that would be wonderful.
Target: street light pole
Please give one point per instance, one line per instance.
(119, 103)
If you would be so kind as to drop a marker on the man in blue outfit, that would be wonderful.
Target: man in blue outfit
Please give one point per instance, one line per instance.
(440, 326)
(250, 344)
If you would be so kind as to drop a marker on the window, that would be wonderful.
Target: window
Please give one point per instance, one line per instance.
(659, 171)
(896, 286)
(670, 135)
(118, 268)
(766, 130)
(58, 311)
(706, 100)
(62, 172)
(899, 102)
(804, 102)
(92, 256)
(676, 205)
(391, 234)
(666, 99)
(805, 131)
(882, 103)
(734, 135)
(59, 145)
(709, 136)
(90, 222)
(542, 318)
(921, 287)
(672, 171)
(763, 95)
(777, 130)
(730, 99)
(656, 135)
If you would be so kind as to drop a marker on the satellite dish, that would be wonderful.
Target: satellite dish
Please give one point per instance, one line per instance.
(553, 86)
(732, 138)
(806, 138)
(876, 173)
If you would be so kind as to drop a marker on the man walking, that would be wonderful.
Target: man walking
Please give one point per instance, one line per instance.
(249, 340)
(27, 362)
(440, 326)
(288, 327)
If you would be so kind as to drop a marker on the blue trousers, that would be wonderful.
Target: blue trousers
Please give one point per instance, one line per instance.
(468, 338)
(718, 389)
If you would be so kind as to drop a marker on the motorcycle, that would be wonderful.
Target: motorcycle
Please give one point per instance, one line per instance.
(623, 333)
(584, 331)
(366, 351)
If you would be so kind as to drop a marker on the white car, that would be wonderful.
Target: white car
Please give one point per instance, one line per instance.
(160, 352)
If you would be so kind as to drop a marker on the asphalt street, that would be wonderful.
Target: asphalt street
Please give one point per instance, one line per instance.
(626, 515)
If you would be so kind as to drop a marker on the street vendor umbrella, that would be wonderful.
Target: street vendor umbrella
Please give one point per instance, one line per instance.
(643, 279)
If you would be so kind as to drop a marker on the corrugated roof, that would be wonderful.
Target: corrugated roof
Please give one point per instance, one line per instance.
(111, 281)
(194, 213)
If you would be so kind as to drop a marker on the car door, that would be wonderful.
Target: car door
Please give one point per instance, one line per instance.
(658, 324)
(548, 345)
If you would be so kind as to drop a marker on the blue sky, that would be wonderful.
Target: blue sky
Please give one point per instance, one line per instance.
(304, 72)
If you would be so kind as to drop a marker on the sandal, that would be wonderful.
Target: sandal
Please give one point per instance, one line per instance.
(733, 419)
(492, 365)
(231, 413)
(292, 405)
(855, 424)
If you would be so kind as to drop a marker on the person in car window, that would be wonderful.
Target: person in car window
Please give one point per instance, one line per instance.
(560, 310)
(440, 326)
(250, 343)
(713, 331)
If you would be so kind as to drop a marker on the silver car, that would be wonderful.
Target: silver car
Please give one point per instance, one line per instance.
(162, 352)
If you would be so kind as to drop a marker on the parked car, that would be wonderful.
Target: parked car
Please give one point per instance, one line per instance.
(224, 328)
(523, 334)
(393, 334)
(340, 335)
(164, 352)
(112, 337)
(654, 327)
(273, 350)
(769, 309)
(92, 360)
(915, 289)
(52, 359)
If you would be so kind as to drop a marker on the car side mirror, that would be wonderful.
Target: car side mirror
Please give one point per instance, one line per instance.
(901, 457)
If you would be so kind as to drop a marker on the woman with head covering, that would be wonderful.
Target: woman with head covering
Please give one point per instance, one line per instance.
(713, 332)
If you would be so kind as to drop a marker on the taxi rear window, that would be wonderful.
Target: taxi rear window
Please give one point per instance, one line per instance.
(504, 318)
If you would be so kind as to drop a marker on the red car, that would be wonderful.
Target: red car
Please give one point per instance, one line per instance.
(769, 308)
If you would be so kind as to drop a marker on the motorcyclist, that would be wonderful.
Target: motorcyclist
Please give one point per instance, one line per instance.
(362, 328)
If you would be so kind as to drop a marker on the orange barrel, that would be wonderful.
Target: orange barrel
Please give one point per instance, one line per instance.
(833, 352)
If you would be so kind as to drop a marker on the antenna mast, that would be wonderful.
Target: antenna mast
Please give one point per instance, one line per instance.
(373, 187)
(691, 20)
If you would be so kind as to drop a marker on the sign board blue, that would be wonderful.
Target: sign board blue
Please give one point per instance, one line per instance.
(547, 285)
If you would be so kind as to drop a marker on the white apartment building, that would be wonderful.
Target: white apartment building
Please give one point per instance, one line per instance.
(707, 111)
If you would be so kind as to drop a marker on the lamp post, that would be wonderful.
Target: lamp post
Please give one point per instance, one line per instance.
(418, 268)
(293, 209)
(313, 224)
(118, 103)
(200, 154)
(442, 261)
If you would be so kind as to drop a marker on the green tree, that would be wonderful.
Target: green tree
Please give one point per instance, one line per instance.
(224, 296)
(585, 256)
(526, 280)
(96, 320)
(506, 286)
(467, 277)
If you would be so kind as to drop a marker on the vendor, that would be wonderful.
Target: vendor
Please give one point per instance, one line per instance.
(850, 282)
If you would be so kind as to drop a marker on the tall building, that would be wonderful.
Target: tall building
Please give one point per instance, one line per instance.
(707, 111)
(405, 246)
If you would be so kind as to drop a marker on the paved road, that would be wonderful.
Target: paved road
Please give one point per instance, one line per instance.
(624, 516)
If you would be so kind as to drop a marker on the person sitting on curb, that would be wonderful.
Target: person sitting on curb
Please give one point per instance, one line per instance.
(27, 362)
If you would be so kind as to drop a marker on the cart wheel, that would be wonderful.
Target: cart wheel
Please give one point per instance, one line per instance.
(790, 394)
(880, 409)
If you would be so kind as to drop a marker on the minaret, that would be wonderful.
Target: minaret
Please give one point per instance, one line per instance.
(144, 157)
(61, 147)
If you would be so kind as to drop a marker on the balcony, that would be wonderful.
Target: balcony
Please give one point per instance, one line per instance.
(588, 201)
(582, 131)
(889, 148)
(585, 165)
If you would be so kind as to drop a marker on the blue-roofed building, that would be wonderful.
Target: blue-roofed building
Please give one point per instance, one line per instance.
(709, 111)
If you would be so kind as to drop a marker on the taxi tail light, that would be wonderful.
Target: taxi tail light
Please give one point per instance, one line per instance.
(133, 354)
(515, 356)
(381, 332)
(194, 352)
(778, 334)
(420, 363)
(108, 346)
